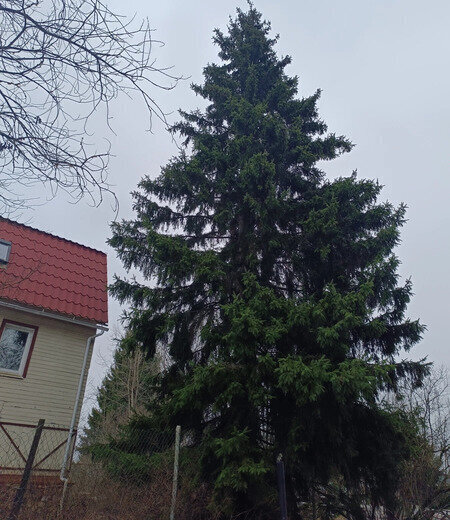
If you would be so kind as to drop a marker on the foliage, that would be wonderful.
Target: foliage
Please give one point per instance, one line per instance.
(135, 451)
(124, 393)
(421, 416)
(424, 487)
(274, 290)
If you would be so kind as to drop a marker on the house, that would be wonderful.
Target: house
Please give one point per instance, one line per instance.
(53, 303)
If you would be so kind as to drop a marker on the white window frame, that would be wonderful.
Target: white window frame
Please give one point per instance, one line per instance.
(26, 351)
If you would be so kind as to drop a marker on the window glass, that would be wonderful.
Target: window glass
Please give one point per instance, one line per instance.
(14, 344)
(4, 251)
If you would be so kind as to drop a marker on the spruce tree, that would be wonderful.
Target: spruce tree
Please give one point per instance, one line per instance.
(274, 290)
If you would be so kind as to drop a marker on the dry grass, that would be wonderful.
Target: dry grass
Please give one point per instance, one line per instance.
(93, 495)
(40, 502)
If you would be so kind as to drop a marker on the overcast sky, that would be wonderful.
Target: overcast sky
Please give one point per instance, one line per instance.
(384, 70)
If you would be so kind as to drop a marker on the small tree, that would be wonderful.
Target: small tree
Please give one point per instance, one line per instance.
(275, 291)
(59, 61)
(126, 391)
(121, 433)
(425, 478)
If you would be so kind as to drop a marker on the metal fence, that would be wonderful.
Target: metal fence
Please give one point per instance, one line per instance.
(15, 443)
(121, 478)
(133, 473)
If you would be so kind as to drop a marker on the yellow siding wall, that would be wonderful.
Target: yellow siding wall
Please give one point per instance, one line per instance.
(49, 389)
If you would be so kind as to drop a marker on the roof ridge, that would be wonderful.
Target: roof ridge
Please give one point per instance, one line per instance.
(15, 223)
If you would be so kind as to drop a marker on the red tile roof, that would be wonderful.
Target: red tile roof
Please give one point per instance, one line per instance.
(54, 274)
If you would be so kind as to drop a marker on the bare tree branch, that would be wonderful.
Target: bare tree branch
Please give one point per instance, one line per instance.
(60, 60)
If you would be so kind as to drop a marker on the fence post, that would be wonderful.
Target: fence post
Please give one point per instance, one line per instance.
(175, 472)
(65, 478)
(281, 487)
(20, 494)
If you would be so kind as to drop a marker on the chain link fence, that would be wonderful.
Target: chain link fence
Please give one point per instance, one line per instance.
(124, 477)
(30, 463)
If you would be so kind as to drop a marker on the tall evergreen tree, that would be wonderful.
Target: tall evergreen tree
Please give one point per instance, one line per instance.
(274, 290)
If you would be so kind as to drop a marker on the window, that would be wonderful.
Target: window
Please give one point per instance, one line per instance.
(5, 250)
(16, 345)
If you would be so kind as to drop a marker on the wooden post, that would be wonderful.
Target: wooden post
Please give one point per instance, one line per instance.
(175, 472)
(281, 487)
(20, 494)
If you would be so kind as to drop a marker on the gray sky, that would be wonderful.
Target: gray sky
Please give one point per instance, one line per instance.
(384, 70)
